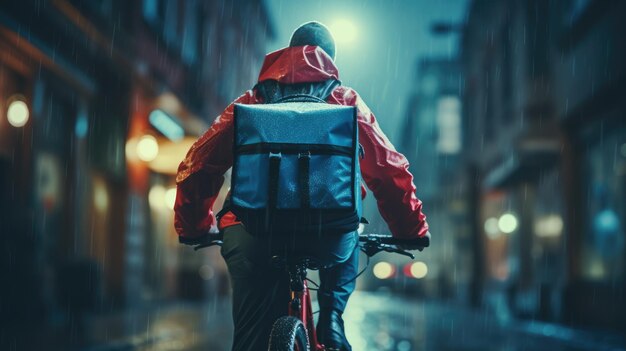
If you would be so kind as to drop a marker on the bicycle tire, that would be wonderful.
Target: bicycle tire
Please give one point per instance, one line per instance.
(288, 334)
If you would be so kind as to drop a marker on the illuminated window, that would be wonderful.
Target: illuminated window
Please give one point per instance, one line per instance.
(449, 125)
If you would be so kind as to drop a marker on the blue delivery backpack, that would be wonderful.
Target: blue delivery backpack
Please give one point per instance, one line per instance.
(296, 167)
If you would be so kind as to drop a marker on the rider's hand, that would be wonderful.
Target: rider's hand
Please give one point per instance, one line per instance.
(410, 247)
(413, 247)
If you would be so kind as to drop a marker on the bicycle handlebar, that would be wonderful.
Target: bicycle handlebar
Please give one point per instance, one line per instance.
(375, 243)
(421, 242)
(371, 243)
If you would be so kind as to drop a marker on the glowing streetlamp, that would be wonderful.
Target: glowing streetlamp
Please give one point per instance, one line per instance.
(18, 113)
(343, 31)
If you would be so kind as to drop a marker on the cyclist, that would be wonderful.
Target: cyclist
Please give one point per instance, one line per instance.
(259, 290)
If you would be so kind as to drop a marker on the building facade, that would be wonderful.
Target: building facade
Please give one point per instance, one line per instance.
(87, 173)
(544, 145)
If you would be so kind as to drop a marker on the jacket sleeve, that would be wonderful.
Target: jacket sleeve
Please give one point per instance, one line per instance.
(386, 174)
(201, 174)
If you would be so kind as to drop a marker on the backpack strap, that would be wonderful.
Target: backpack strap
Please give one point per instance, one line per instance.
(274, 169)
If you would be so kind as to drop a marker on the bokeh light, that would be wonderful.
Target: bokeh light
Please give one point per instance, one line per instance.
(156, 197)
(206, 272)
(100, 196)
(18, 113)
(491, 228)
(170, 198)
(507, 223)
(419, 270)
(549, 226)
(383, 270)
(147, 148)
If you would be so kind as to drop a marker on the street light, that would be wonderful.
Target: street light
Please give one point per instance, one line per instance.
(343, 31)
(18, 113)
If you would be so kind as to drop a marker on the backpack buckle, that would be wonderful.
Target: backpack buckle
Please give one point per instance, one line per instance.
(306, 154)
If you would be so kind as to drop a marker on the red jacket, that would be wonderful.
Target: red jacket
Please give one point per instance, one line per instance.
(385, 171)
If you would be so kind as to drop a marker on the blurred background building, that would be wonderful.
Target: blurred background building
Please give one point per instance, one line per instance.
(432, 141)
(100, 102)
(546, 148)
(516, 138)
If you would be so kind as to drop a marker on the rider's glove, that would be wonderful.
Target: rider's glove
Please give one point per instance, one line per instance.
(413, 247)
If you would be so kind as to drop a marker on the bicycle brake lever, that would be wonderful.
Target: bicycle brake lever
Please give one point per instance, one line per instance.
(406, 253)
(370, 249)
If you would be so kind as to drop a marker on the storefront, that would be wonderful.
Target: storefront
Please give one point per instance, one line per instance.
(161, 131)
(597, 284)
(522, 224)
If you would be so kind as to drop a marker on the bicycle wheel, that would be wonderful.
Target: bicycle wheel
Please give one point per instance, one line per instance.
(288, 334)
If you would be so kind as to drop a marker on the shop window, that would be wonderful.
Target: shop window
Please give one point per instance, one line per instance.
(499, 228)
(449, 125)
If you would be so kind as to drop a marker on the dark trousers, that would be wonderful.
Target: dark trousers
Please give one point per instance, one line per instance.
(261, 291)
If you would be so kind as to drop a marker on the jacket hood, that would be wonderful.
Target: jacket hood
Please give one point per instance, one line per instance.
(298, 64)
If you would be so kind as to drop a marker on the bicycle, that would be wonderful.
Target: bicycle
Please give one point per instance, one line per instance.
(296, 331)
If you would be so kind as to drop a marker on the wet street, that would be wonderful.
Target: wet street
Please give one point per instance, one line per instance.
(373, 323)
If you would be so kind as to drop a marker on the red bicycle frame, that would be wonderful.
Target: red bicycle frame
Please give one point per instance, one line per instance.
(305, 314)
(300, 302)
